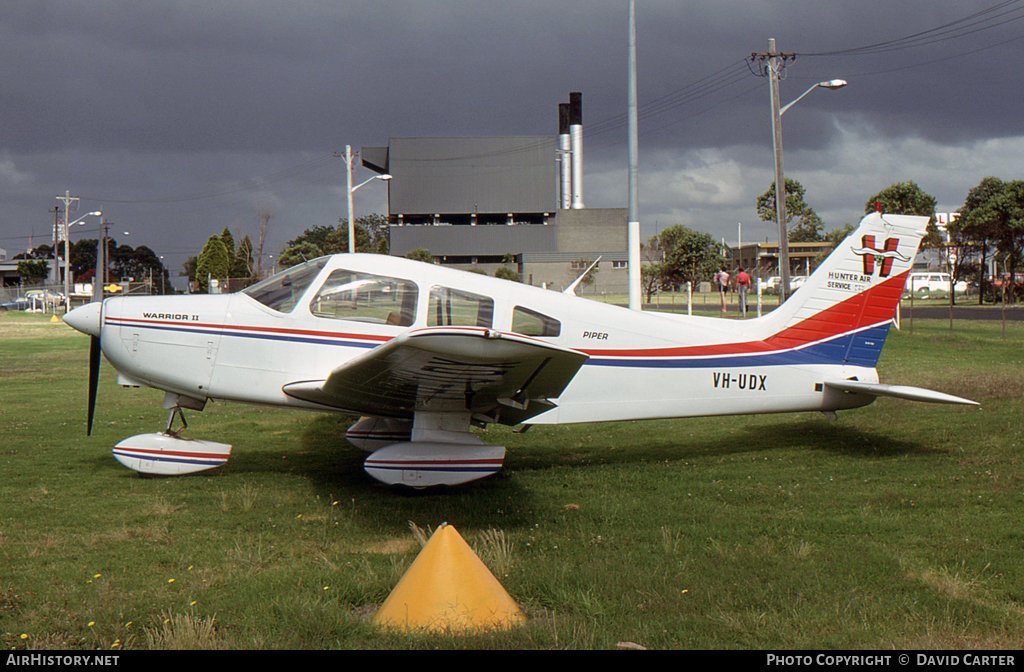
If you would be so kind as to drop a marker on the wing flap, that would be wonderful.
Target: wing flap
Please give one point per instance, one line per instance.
(505, 377)
(898, 391)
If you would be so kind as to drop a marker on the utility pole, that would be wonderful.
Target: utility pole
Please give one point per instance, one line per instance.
(67, 199)
(55, 279)
(776, 64)
(101, 262)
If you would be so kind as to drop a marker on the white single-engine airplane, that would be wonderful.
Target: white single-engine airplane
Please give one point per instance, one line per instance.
(424, 352)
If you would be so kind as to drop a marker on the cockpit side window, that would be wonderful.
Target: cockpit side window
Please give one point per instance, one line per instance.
(452, 307)
(282, 291)
(362, 297)
(531, 323)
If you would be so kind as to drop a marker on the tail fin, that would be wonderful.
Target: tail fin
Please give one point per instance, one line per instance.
(843, 310)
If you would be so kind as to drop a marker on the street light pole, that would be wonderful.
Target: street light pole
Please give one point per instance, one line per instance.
(351, 190)
(351, 209)
(67, 255)
(633, 220)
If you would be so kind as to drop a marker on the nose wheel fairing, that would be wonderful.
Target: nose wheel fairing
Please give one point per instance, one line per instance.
(159, 454)
(168, 454)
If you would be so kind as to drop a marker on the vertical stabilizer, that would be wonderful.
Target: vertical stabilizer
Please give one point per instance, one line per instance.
(844, 308)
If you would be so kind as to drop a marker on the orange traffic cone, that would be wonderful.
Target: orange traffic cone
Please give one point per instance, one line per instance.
(448, 588)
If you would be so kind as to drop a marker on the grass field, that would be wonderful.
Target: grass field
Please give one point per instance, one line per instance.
(897, 526)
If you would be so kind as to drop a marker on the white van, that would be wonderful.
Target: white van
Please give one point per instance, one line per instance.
(927, 283)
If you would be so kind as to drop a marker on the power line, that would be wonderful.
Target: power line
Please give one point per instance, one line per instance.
(986, 19)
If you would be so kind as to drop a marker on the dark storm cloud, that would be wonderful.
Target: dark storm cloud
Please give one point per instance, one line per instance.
(185, 116)
(289, 76)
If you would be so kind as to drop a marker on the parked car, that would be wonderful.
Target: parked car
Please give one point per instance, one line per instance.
(926, 283)
(17, 304)
(50, 297)
(795, 281)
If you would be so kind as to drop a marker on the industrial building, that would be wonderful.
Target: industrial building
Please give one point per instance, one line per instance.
(803, 257)
(485, 202)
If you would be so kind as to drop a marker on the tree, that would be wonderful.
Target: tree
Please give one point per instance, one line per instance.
(977, 226)
(376, 225)
(690, 256)
(32, 271)
(83, 258)
(213, 262)
(188, 269)
(316, 241)
(836, 236)
(138, 263)
(507, 273)
(243, 265)
(228, 240)
(650, 279)
(420, 254)
(906, 198)
(298, 253)
(263, 217)
(652, 269)
(809, 225)
(995, 211)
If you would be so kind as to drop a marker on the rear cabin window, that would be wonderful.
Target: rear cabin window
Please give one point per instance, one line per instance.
(531, 323)
(362, 297)
(451, 307)
(282, 291)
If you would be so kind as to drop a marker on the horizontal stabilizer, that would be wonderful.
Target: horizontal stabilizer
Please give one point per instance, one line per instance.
(898, 391)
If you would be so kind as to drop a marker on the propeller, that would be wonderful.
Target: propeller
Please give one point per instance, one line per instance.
(94, 378)
(88, 320)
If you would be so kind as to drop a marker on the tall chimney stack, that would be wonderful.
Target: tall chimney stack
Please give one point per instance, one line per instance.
(565, 158)
(576, 144)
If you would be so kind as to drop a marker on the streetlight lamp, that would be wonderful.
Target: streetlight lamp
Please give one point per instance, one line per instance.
(351, 190)
(67, 256)
(830, 84)
(775, 61)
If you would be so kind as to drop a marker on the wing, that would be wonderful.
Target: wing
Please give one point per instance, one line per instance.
(498, 377)
(898, 391)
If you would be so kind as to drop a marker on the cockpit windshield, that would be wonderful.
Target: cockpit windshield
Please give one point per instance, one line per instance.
(282, 291)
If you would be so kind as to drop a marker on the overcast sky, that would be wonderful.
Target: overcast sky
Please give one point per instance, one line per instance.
(180, 118)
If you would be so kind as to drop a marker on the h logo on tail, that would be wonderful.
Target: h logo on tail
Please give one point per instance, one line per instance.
(869, 254)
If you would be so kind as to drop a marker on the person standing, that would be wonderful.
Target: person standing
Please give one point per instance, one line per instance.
(722, 278)
(743, 284)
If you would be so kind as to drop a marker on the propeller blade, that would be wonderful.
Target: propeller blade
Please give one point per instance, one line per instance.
(94, 378)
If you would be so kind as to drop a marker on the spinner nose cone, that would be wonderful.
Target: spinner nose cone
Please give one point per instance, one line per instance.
(85, 319)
